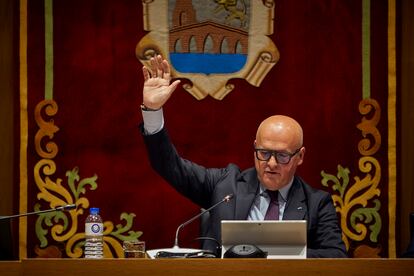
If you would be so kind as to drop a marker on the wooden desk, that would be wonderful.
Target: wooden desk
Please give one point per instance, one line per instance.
(11, 268)
(208, 267)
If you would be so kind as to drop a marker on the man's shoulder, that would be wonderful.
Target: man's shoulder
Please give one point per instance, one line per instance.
(235, 169)
(310, 191)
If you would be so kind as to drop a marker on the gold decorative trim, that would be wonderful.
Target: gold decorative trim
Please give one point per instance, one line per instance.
(23, 129)
(392, 149)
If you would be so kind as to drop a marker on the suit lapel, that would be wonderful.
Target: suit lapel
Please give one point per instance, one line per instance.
(247, 187)
(296, 207)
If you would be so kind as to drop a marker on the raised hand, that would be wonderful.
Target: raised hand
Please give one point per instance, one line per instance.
(157, 88)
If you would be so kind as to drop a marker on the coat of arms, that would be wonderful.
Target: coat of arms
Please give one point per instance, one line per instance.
(209, 42)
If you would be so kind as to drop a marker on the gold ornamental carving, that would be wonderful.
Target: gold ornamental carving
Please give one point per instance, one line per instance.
(65, 228)
(357, 202)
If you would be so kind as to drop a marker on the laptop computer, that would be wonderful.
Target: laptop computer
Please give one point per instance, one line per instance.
(281, 239)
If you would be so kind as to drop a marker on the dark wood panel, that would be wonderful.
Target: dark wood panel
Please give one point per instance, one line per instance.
(406, 187)
(208, 267)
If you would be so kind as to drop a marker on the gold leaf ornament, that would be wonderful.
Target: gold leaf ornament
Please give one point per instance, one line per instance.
(358, 204)
(65, 228)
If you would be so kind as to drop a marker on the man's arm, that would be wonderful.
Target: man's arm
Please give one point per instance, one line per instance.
(190, 179)
(325, 236)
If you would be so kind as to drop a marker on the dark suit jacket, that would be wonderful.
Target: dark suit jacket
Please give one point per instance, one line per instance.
(207, 186)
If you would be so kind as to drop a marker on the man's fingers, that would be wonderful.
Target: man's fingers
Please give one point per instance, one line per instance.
(159, 60)
(154, 67)
(145, 72)
(171, 89)
(160, 69)
(165, 66)
(159, 73)
(174, 85)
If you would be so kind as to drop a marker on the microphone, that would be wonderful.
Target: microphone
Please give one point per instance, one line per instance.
(176, 251)
(225, 199)
(62, 208)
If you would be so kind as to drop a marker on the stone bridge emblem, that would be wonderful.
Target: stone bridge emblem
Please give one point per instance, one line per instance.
(210, 42)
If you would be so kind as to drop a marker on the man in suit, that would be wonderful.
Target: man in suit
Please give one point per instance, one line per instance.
(270, 190)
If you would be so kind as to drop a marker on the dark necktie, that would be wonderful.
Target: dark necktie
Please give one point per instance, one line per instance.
(272, 212)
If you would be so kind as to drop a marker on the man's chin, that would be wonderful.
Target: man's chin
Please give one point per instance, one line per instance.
(271, 185)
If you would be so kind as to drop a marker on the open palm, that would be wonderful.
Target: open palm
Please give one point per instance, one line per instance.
(157, 88)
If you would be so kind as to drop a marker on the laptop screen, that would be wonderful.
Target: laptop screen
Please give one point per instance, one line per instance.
(281, 239)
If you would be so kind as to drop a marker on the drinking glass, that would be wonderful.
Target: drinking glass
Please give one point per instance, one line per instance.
(134, 249)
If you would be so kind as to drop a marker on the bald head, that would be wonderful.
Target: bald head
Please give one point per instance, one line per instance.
(281, 128)
(280, 134)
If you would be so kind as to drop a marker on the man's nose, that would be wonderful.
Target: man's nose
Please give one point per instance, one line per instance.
(272, 162)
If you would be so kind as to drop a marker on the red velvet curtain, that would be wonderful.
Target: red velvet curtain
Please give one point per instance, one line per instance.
(97, 87)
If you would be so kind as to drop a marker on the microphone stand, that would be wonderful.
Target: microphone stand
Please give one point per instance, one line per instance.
(59, 208)
(225, 199)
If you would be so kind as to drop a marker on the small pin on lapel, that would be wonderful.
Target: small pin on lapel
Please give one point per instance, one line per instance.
(300, 208)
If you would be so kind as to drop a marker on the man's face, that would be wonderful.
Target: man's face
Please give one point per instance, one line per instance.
(273, 174)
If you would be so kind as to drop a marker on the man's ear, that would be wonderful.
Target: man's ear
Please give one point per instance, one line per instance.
(301, 155)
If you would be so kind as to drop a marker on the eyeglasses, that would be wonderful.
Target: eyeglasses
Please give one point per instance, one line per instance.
(281, 157)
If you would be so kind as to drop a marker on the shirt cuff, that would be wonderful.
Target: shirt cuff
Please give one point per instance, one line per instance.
(153, 121)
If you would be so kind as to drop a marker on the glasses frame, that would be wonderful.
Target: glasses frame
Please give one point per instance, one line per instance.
(275, 153)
